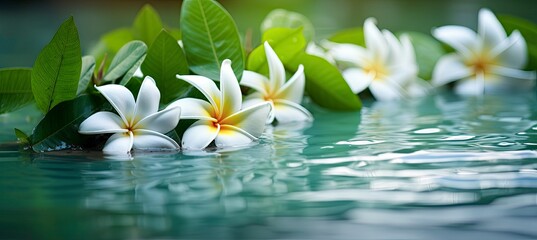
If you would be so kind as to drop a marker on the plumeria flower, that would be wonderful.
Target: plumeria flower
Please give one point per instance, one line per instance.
(484, 60)
(137, 124)
(220, 119)
(285, 97)
(316, 50)
(386, 65)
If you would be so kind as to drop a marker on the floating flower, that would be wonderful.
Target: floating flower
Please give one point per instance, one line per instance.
(285, 97)
(386, 65)
(137, 125)
(220, 118)
(484, 60)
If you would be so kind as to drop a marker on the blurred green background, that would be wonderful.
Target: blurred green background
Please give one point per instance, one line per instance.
(26, 26)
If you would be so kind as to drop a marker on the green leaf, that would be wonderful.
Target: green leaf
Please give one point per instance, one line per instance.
(57, 68)
(22, 137)
(210, 36)
(281, 18)
(127, 77)
(286, 42)
(164, 60)
(15, 88)
(147, 25)
(428, 51)
(110, 44)
(529, 32)
(352, 35)
(88, 66)
(324, 83)
(127, 57)
(59, 128)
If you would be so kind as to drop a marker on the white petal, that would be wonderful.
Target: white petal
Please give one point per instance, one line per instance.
(384, 91)
(462, 39)
(396, 49)
(276, 69)
(418, 88)
(193, 108)
(138, 73)
(253, 99)
(293, 90)
(490, 29)
(315, 50)
(206, 86)
(148, 99)
(448, 69)
(470, 87)
(408, 51)
(374, 40)
(347, 52)
(120, 98)
(255, 81)
(146, 139)
(200, 134)
(231, 96)
(357, 79)
(232, 137)
(515, 53)
(102, 122)
(162, 122)
(286, 111)
(118, 143)
(251, 120)
(513, 73)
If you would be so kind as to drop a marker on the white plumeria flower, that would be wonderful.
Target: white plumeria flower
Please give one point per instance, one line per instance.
(316, 50)
(221, 118)
(285, 97)
(482, 60)
(386, 65)
(137, 124)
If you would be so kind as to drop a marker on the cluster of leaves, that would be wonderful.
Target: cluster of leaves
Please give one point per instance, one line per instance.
(62, 80)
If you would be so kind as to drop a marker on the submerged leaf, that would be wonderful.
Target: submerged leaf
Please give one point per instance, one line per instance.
(15, 88)
(210, 36)
(57, 69)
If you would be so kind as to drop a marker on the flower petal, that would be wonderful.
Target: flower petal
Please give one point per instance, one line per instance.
(470, 86)
(200, 134)
(346, 52)
(147, 139)
(383, 91)
(206, 86)
(409, 55)
(147, 101)
(162, 122)
(513, 52)
(286, 111)
(193, 108)
(374, 40)
(231, 96)
(251, 120)
(396, 53)
(316, 50)
(230, 136)
(255, 81)
(513, 73)
(293, 90)
(119, 143)
(357, 79)
(448, 69)
(490, 29)
(418, 88)
(276, 69)
(253, 99)
(102, 122)
(120, 98)
(462, 39)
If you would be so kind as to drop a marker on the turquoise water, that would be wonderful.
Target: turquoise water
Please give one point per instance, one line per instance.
(443, 167)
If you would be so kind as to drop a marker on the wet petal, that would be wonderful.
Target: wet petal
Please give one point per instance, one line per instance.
(199, 135)
(490, 29)
(147, 139)
(255, 81)
(384, 91)
(513, 73)
(251, 120)
(148, 99)
(515, 53)
(230, 136)
(119, 143)
(286, 111)
(462, 39)
(120, 98)
(276, 69)
(206, 86)
(162, 122)
(357, 79)
(470, 87)
(293, 90)
(193, 108)
(231, 96)
(374, 40)
(448, 69)
(102, 122)
(347, 52)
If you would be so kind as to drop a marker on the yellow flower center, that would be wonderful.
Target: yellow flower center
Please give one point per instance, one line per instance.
(377, 70)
